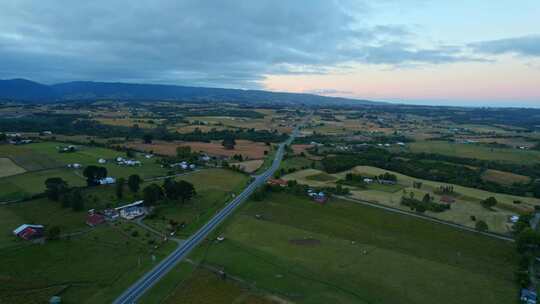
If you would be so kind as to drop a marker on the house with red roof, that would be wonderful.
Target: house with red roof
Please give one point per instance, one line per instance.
(93, 219)
(29, 232)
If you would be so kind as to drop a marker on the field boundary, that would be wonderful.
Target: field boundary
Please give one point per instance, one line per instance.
(428, 218)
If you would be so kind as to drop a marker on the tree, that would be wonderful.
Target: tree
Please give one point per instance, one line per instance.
(130, 153)
(3, 136)
(55, 188)
(178, 190)
(93, 174)
(183, 152)
(186, 190)
(134, 183)
(120, 183)
(152, 194)
(147, 138)
(426, 198)
(53, 233)
(489, 202)
(77, 200)
(481, 226)
(228, 143)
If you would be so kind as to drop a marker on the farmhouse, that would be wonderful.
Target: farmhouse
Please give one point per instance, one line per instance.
(131, 211)
(74, 166)
(29, 231)
(277, 182)
(447, 199)
(528, 296)
(102, 161)
(111, 215)
(319, 197)
(93, 219)
(107, 180)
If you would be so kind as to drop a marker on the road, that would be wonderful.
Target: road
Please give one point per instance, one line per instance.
(133, 293)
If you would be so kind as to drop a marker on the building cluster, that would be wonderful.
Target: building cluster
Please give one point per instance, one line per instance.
(183, 165)
(318, 197)
(29, 232)
(128, 212)
(127, 162)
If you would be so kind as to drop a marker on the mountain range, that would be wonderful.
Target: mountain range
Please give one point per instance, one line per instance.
(23, 90)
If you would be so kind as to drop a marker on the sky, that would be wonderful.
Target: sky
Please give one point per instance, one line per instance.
(472, 53)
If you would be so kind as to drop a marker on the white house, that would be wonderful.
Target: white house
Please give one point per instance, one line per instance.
(131, 211)
(107, 180)
(102, 161)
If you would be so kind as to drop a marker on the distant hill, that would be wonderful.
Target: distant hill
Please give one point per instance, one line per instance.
(25, 90)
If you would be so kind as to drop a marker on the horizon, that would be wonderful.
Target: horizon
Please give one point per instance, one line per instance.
(480, 54)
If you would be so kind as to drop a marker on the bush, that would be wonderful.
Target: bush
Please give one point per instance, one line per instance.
(481, 226)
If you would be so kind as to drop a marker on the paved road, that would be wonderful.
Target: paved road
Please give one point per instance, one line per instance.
(133, 293)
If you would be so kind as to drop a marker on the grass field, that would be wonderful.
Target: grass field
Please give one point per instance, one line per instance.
(357, 254)
(214, 188)
(504, 178)
(205, 287)
(43, 161)
(249, 166)
(8, 167)
(93, 266)
(467, 200)
(476, 151)
(246, 148)
(321, 177)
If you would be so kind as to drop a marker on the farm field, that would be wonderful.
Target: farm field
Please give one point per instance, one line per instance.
(92, 266)
(8, 167)
(346, 253)
(467, 200)
(249, 166)
(504, 178)
(202, 286)
(42, 161)
(476, 151)
(249, 149)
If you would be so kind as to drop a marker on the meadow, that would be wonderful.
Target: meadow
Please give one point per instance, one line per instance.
(477, 151)
(91, 266)
(346, 253)
(467, 200)
(42, 160)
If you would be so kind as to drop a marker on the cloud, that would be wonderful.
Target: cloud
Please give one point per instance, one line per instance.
(525, 46)
(210, 43)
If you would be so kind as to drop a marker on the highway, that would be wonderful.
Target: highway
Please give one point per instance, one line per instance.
(135, 291)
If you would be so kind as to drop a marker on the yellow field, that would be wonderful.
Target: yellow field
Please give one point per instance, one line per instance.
(8, 167)
(504, 178)
(249, 166)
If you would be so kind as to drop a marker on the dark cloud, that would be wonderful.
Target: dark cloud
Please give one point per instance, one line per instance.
(524, 46)
(216, 43)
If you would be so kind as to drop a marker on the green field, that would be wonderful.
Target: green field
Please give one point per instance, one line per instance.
(92, 266)
(95, 265)
(214, 188)
(42, 161)
(346, 253)
(477, 151)
(321, 177)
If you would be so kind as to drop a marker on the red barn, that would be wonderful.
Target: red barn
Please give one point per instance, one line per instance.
(29, 232)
